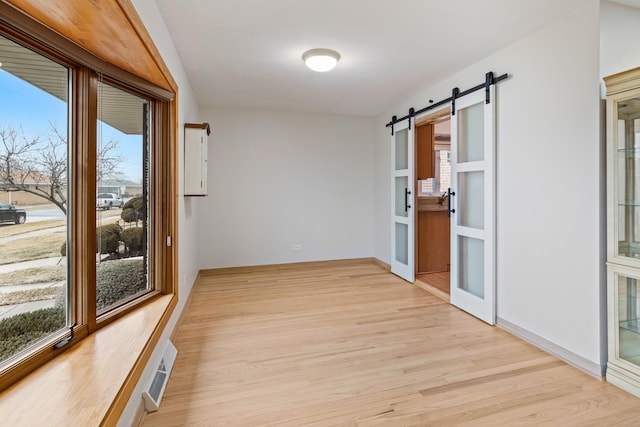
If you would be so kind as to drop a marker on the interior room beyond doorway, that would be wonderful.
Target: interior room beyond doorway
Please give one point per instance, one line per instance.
(433, 180)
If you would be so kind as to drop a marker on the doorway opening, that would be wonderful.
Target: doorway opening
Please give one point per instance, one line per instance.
(432, 221)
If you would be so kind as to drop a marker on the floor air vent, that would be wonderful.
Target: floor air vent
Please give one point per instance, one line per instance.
(159, 381)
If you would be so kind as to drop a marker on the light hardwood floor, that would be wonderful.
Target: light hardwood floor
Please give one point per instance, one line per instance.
(436, 283)
(348, 343)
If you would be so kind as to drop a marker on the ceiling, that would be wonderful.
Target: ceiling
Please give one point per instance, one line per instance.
(247, 53)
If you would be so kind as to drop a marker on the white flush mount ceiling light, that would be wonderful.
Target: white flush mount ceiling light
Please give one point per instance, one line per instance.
(321, 60)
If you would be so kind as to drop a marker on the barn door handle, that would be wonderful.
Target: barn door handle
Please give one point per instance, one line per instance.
(449, 195)
(406, 199)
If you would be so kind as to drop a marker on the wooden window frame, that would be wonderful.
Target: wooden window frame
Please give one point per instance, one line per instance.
(158, 151)
(81, 223)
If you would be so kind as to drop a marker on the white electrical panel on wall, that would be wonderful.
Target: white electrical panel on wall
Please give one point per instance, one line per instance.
(196, 137)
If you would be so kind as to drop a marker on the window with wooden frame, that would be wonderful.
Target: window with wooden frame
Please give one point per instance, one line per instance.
(86, 172)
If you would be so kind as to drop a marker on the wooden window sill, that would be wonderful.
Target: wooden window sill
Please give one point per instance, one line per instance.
(91, 383)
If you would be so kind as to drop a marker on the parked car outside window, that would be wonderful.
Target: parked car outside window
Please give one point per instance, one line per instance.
(9, 213)
(108, 201)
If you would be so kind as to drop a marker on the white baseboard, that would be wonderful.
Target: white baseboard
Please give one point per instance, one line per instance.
(578, 361)
(381, 263)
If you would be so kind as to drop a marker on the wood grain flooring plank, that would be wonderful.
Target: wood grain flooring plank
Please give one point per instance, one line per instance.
(347, 343)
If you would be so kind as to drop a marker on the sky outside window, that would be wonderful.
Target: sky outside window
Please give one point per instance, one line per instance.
(25, 106)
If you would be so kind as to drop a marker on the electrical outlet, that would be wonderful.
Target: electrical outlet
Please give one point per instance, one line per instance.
(296, 247)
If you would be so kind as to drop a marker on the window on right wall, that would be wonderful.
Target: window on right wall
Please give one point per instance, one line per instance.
(442, 171)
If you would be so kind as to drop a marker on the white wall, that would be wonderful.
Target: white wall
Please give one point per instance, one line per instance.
(619, 38)
(188, 111)
(619, 51)
(548, 180)
(278, 179)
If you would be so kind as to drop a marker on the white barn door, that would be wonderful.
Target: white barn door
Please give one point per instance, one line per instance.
(473, 277)
(402, 183)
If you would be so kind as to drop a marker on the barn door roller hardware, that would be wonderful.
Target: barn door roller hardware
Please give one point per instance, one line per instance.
(489, 80)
